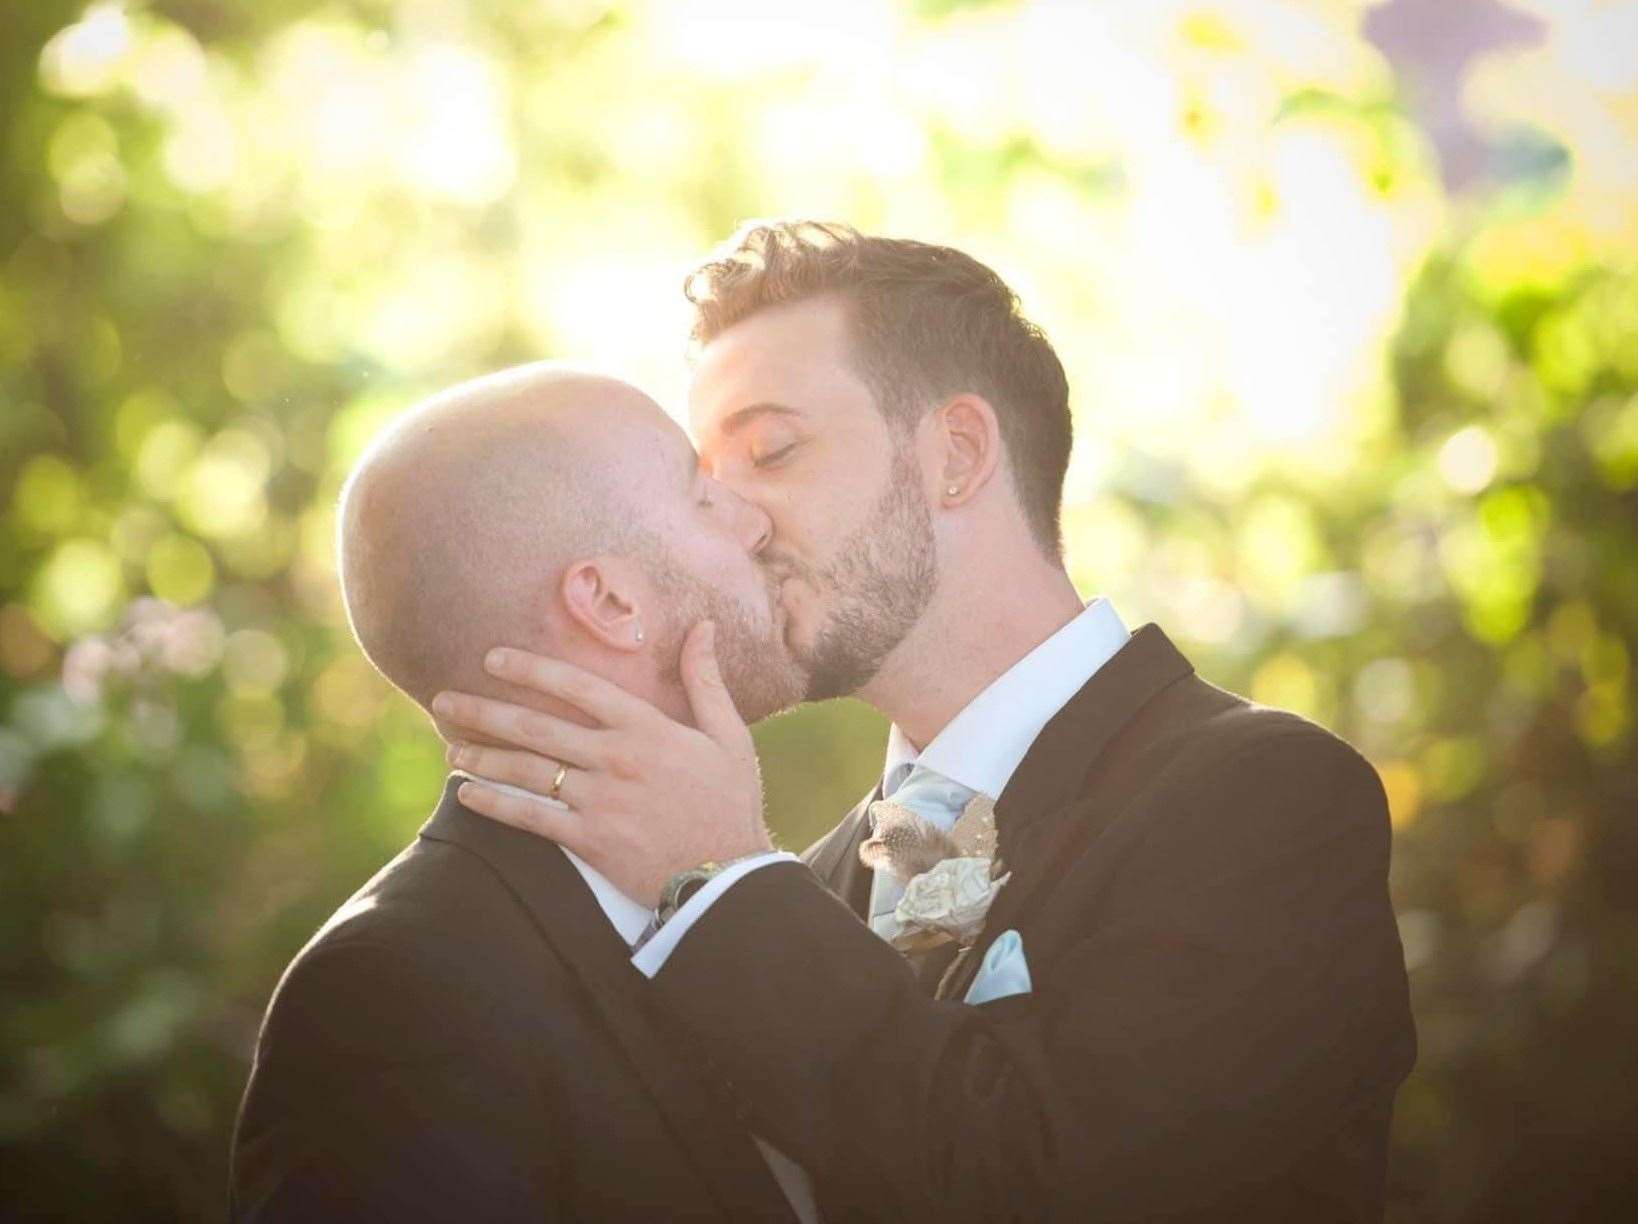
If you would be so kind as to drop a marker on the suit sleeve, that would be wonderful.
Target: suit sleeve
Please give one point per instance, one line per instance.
(367, 1104)
(1220, 1007)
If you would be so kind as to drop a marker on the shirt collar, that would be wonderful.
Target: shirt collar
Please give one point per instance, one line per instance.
(628, 917)
(983, 745)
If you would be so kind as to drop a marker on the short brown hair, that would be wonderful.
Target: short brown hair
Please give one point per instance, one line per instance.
(925, 321)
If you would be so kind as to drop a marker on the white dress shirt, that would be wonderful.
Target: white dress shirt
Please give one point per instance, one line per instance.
(981, 747)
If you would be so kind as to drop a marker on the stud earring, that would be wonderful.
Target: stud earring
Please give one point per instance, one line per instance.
(952, 490)
(639, 635)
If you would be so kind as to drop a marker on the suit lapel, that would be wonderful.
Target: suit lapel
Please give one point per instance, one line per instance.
(1054, 771)
(568, 917)
(1041, 825)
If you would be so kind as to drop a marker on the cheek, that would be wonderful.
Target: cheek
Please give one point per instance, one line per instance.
(822, 525)
(820, 501)
(806, 505)
(791, 523)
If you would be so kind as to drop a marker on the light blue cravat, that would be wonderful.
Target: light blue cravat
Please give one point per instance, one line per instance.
(935, 798)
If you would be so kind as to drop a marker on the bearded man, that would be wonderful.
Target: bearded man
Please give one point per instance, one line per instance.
(466, 1038)
(1151, 972)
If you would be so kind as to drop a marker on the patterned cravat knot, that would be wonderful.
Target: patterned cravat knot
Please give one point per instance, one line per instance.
(930, 848)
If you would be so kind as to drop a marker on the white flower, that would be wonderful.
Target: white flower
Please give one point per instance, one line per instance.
(951, 899)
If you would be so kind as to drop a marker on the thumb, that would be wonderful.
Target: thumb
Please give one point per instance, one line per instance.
(713, 707)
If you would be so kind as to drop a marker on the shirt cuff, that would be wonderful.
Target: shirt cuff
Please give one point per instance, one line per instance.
(654, 953)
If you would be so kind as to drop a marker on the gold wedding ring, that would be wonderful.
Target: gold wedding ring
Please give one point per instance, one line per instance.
(557, 781)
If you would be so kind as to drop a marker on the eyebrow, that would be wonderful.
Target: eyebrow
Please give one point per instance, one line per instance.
(738, 419)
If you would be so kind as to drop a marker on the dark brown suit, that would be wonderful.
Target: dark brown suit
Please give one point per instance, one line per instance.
(1219, 1017)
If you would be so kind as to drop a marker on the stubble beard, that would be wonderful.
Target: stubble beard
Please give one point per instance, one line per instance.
(876, 587)
(757, 668)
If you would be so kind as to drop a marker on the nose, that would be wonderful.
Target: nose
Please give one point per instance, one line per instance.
(752, 526)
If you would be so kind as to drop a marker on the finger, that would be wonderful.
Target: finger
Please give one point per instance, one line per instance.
(558, 824)
(713, 706)
(608, 703)
(521, 769)
(528, 729)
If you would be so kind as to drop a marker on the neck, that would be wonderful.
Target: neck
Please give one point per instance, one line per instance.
(982, 620)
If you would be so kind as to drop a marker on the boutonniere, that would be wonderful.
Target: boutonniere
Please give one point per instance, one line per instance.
(949, 878)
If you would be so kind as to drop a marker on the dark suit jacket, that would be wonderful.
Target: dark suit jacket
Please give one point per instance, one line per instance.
(465, 1040)
(1219, 1016)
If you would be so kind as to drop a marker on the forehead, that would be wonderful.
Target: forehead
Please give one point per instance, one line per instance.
(797, 356)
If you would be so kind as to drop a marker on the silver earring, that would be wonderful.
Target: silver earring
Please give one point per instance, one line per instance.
(639, 635)
(952, 490)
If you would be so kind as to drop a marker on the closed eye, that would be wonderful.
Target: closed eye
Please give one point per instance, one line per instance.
(774, 458)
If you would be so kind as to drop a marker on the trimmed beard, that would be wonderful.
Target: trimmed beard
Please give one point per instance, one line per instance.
(877, 585)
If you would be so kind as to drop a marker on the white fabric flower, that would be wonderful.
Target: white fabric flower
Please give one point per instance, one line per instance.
(948, 902)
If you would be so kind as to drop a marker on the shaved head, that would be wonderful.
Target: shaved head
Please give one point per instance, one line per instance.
(456, 526)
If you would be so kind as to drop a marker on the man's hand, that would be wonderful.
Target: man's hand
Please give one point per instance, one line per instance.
(647, 797)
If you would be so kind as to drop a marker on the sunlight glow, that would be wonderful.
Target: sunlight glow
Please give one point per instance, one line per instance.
(1468, 459)
(453, 140)
(85, 58)
(1221, 273)
(621, 314)
(731, 39)
(78, 590)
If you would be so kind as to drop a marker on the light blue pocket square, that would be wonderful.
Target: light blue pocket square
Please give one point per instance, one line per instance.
(1004, 971)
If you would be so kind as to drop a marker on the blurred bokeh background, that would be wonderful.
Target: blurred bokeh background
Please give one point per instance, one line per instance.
(1349, 299)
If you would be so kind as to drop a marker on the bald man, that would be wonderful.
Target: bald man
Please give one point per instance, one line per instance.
(463, 1039)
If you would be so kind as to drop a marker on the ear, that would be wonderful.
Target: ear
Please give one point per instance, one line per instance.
(968, 439)
(602, 597)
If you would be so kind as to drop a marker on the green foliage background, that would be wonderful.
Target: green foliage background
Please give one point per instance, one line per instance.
(196, 766)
